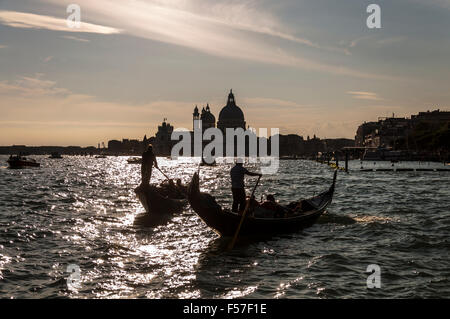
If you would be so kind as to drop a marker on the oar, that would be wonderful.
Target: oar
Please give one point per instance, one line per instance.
(163, 173)
(247, 205)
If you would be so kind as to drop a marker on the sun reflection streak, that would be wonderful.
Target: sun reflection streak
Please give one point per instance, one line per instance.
(3, 261)
(239, 293)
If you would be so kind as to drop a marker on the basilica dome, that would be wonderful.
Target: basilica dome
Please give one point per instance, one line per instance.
(231, 115)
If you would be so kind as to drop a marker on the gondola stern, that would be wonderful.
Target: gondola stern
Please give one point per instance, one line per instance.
(194, 186)
(334, 181)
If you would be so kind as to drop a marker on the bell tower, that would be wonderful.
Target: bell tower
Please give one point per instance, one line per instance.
(195, 117)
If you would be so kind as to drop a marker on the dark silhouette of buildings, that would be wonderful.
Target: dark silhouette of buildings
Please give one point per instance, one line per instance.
(393, 132)
(230, 116)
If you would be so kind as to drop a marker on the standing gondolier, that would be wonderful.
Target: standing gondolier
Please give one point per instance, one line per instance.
(148, 159)
(238, 187)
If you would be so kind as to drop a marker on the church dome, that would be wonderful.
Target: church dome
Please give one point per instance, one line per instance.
(231, 111)
(231, 115)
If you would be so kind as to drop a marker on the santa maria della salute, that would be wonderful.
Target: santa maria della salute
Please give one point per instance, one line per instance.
(231, 116)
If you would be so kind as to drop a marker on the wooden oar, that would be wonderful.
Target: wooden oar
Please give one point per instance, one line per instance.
(247, 205)
(163, 173)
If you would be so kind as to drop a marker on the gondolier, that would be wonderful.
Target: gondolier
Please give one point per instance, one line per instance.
(238, 187)
(148, 159)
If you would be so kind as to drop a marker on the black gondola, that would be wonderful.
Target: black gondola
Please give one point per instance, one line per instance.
(225, 223)
(160, 200)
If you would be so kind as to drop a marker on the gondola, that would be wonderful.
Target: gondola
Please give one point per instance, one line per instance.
(160, 200)
(225, 223)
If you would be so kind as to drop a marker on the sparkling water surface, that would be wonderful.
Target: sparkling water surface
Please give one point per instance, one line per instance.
(83, 211)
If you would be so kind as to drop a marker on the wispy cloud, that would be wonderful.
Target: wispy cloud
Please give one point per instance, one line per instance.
(48, 59)
(69, 37)
(361, 95)
(31, 86)
(41, 111)
(3, 46)
(237, 30)
(35, 21)
(274, 104)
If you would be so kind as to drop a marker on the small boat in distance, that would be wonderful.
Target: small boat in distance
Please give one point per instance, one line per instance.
(101, 156)
(224, 222)
(134, 160)
(22, 162)
(55, 155)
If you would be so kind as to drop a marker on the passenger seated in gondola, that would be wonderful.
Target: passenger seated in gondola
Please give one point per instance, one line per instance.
(181, 187)
(173, 190)
(268, 209)
(272, 205)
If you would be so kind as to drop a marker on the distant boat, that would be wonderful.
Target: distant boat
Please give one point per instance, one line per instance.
(21, 162)
(134, 160)
(55, 155)
(101, 156)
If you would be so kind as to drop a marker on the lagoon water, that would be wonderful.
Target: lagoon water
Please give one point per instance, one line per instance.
(83, 211)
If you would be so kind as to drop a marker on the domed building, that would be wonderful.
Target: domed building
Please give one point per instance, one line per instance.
(231, 115)
(207, 118)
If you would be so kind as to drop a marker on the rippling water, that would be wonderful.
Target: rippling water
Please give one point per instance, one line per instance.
(83, 211)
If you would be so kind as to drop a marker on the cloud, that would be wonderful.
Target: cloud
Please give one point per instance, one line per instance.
(48, 59)
(34, 86)
(361, 95)
(3, 46)
(69, 37)
(391, 40)
(35, 21)
(236, 30)
(36, 110)
(274, 104)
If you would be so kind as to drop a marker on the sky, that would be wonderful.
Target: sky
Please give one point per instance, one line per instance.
(304, 66)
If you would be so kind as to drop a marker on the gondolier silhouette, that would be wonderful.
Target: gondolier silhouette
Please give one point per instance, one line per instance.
(237, 185)
(148, 159)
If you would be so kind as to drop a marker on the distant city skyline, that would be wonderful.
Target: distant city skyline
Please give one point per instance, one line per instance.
(305, 67)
